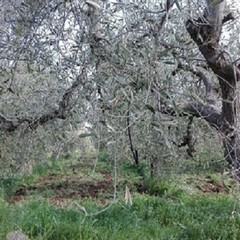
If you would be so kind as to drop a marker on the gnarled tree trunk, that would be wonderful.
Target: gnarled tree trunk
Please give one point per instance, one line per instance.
(206, 32)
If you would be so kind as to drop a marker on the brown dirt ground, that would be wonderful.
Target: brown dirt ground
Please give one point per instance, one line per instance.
(60, 189)
(212, 187)
(66, 187)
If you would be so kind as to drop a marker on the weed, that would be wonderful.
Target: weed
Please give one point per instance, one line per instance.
(46, 167)
(162, 187)
(103, 156)
(8, 186)
(164, 211)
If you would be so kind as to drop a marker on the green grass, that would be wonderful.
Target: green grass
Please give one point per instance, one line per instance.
(150, 217)
(8, 186)
(167, 210)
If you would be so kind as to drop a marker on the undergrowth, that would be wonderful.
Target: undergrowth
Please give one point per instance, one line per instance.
(150, 217)
(162, 208)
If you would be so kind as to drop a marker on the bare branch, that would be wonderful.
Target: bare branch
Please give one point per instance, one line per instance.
(10, 125)
(188, 139)
(157, 28)
(206, 112)
(133, 150)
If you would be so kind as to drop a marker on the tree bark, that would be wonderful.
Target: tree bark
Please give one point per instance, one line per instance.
(133, 150)
(206, 32)
(64, 106)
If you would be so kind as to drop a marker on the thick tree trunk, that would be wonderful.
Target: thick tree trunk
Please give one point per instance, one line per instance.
(232, 152)
(206, 32)
(231, 140)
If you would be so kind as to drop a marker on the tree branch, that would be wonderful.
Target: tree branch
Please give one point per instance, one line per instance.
(214, 15)
(11, 125)
(134, 151)
(188, 139)
(200, 72)
(206, 112)
(157, 28)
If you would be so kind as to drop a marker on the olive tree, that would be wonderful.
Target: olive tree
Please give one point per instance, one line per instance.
(133, 71)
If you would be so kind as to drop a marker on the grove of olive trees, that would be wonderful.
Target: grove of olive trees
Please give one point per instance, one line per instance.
(134, 74)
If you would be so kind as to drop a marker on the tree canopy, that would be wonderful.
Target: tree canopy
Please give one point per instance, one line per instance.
(133, 73)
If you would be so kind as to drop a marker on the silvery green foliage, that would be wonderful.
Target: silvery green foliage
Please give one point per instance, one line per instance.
(98, 63)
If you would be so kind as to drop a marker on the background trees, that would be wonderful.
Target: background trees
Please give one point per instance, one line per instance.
(134, 74)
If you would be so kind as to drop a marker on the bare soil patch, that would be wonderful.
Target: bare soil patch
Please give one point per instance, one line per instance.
(66, 187)
(212, 187)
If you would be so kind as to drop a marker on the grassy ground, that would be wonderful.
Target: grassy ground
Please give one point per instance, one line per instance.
(67, 200)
